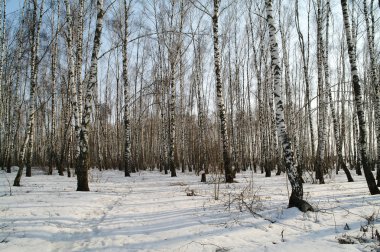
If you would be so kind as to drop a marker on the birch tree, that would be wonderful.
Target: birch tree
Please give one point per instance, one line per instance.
(78, 66)
(356, 86)
(82, 164)
(296, 198)
(127, 129)
(27, 148)
(305, 67)
(325, 57)
(374, 80)
(71, 77)
(3, 5)
(33, 85)
(16, 99)
(321, 101)
(174, 54)
(219, 96)
(54, 56)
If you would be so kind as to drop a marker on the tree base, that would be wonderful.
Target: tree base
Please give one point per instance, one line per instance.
(17, 180)
(267, 173)
(301, 204)
(203, 177)
(82, 181)
(229, 178)
(173, 172)
(345, 169)
(83, 189)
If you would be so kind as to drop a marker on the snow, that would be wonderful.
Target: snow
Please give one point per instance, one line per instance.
(152, 212)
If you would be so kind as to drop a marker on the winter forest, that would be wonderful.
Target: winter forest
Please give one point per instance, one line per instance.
(243, 112)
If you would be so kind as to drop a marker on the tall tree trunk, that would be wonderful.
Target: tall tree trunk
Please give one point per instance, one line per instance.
(231, 110)
(127, 127)
(71, 77)
(172, 126)
(27, 149)
(174, 54)
(182, 100)
(82, 165)
(338, 145)
(33, 85)
(295, 181)
(319, 161)
(305, 61)
(219, 96)
(4, 94)
(78, 67)
(374, 81)
(118, 151)
(289, 116)
(358, 103)
(54, 53)
(202, 144)
(16, 101)
(2, 57)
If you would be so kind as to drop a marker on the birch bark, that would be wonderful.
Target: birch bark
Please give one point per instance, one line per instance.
(127, 127)
(295, 181)
(27, 148)
(338, 144)
(219, 97)
(321, 101)
(358, 102)
(374, 81)
(82, 165)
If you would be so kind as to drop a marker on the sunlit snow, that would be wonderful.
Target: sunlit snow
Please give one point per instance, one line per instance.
(152, 212)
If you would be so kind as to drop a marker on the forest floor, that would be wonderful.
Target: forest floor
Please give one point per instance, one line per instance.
(154, 212)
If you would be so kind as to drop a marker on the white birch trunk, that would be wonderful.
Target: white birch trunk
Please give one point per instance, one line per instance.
(331, 102)
(305, 67)
(54, 53)
(78, 67)
(71, 77)
(27, 149)
(219, 97)
(127, 127)
(82, 165)
(358, 103)
(321, 101)
(2, 55)
(374, 81)
(172, 125)
(33, 87)
(295, 180)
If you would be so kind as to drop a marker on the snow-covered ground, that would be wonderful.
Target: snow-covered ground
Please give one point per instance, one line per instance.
(153, 212)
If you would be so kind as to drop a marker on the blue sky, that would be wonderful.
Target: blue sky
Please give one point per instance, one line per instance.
(13, 5)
